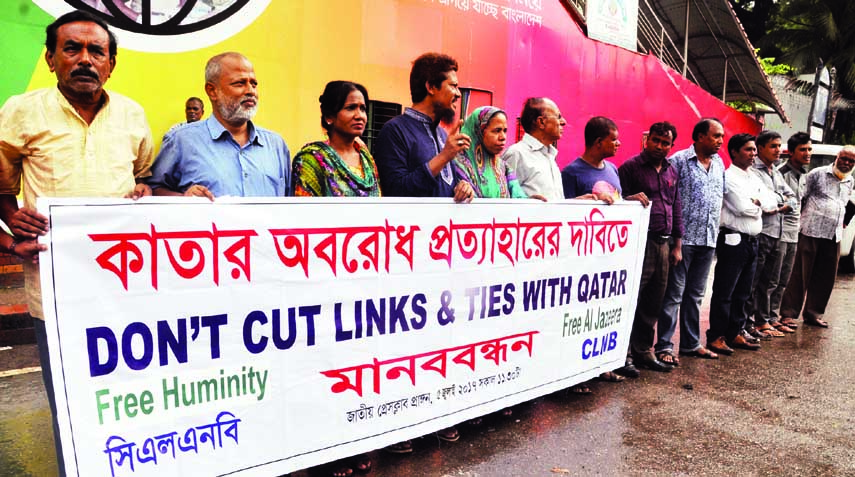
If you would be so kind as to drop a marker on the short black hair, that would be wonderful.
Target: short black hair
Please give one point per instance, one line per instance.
(431, 68)
(765, 136)
(532, 109)
(598, 127)
(703, 127)
(662, 128)
(797, 140)
(737, 141)
(194, 98)
(77, 16)
(334, 96)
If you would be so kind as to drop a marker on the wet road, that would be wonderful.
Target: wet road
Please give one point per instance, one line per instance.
(788, 409)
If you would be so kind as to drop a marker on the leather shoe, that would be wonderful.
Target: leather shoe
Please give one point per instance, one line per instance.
(749, 338)
(720, 346)
(653, 364)
(758, 334)
(628, 370)
(741, 343)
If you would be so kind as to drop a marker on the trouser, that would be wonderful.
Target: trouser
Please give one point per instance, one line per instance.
(812, 279)
(44, 360)
(687, 282)
(734, 273)
(789, 258)
(766, 273)
(654, 279)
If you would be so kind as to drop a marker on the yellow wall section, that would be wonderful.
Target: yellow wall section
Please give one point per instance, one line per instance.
(296, 48)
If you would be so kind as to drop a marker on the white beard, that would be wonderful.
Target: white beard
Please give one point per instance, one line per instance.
(840, 174)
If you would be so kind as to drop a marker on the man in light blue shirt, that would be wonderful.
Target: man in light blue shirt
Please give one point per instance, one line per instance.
(702, 187)
(225, 155)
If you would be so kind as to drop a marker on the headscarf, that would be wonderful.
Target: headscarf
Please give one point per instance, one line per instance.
(476, 160)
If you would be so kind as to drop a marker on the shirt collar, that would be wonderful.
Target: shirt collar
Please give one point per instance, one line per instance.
(536, 145)
(759, 164)
(692, 154)
(787, 166)
(67, 104)
(217, 129)
(648, 160)
(419, 116)
(829, 169)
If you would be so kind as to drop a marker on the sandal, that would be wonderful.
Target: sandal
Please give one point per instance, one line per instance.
(700, 353)
(337, 468)
(816, 322)
(403, 447)
(611, 377)
(782, 327)
(791, 323)
(448, 434)
(580, 389)
(762, 335)
(769, 330)
(668, 357)
(361, 464)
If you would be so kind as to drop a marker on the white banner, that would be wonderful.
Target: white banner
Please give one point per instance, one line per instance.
(258, 337)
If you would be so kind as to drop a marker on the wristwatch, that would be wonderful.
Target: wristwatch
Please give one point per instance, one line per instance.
(15, 243)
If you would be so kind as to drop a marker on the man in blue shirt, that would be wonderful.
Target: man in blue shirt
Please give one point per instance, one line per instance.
(225, 155)
(414, 153)
(701, 181)
(591, 176)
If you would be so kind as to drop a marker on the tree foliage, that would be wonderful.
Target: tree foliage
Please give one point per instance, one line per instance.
(809, 30)
(803, 32)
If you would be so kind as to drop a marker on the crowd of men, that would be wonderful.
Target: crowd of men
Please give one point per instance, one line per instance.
(775, 230)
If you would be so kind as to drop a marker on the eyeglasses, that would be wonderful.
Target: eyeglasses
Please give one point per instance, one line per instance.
(846, 159)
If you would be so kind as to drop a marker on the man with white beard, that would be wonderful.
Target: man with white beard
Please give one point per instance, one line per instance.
(226, 154)
(826, 192)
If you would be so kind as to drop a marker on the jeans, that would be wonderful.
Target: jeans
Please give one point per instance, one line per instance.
(786, 269)
(44, 360)
(770, 253)
(687, 282)
(734, 273)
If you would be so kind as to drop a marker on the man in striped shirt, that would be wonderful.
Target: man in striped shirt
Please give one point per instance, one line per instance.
(827, 190)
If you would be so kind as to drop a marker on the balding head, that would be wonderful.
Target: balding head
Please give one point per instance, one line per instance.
(214, 67)
(231, 86)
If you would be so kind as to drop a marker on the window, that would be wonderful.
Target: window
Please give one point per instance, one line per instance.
(379, 113)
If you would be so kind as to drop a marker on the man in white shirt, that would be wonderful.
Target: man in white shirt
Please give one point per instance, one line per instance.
(745, 198)
(533, 158)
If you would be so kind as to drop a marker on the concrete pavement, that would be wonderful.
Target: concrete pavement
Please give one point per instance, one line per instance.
(784, 410)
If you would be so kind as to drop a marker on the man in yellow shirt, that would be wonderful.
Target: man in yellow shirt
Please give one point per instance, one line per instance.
(75, 140)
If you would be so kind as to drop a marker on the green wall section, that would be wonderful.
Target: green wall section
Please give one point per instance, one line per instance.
(22, 34)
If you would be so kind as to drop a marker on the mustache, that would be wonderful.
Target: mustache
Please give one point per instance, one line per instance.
(84, 72)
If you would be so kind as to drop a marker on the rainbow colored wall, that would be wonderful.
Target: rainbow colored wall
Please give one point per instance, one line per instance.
(299, 45)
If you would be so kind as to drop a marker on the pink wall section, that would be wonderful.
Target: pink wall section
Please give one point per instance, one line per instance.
(585, 77)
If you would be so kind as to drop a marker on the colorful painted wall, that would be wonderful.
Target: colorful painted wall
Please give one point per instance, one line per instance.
(529, 48)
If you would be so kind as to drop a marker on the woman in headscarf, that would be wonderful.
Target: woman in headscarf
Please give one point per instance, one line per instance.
(341, 166)
(481, 164)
